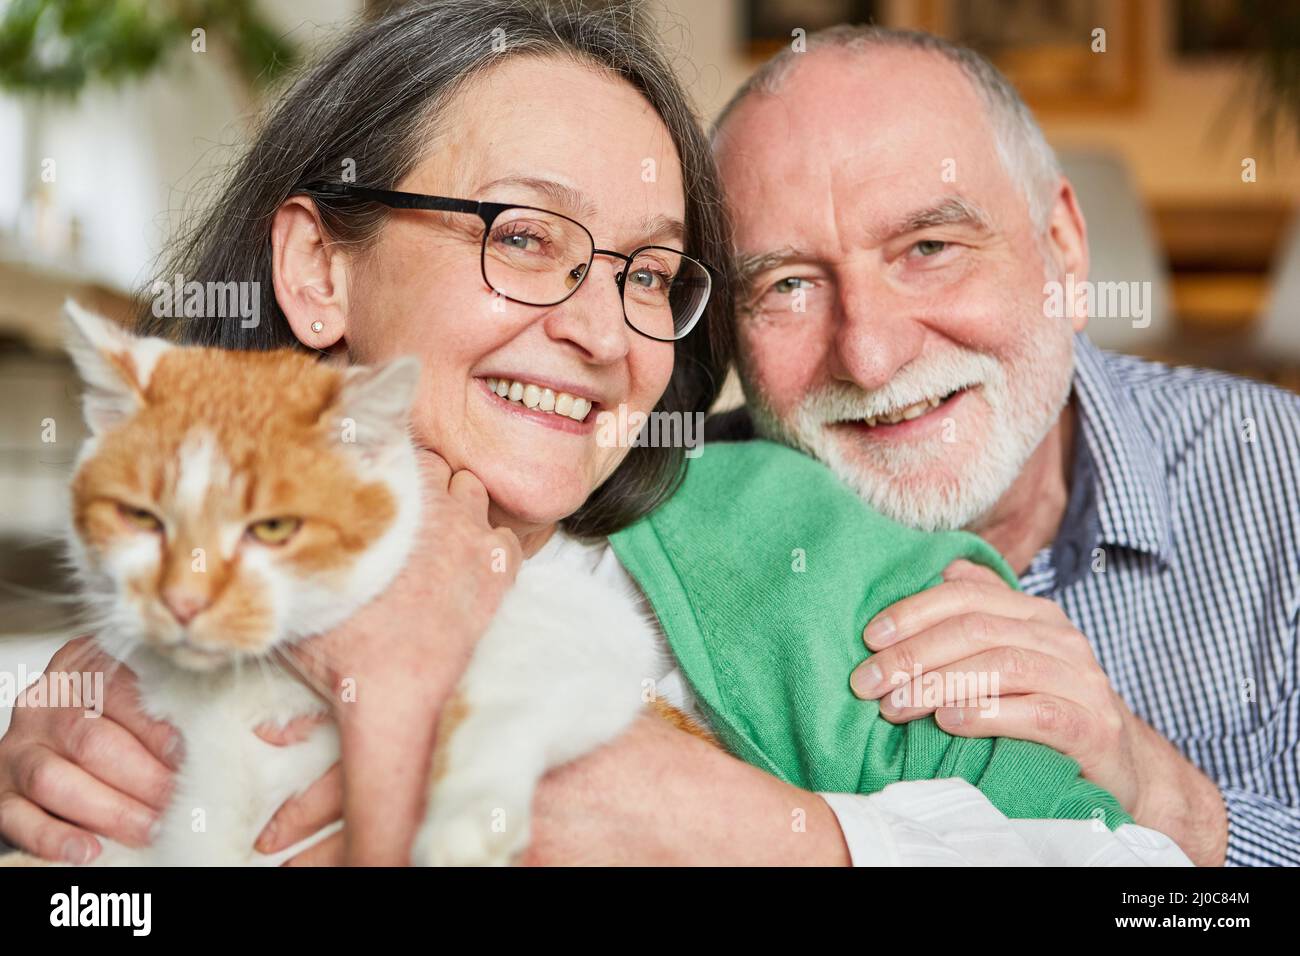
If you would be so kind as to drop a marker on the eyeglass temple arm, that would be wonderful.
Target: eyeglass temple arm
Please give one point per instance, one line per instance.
(401, 200)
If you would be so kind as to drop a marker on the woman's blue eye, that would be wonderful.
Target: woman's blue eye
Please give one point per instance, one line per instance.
(517, 240)
(520, 240)
(930, 247)
(651, 279)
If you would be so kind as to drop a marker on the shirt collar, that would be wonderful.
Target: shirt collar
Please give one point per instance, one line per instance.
(1132, 496)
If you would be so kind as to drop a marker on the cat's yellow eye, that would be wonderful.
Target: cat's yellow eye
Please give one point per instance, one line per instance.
(140, 518)
(274, 530)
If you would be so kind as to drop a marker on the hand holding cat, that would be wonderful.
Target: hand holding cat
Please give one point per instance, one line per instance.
(66, 776)
(392, 666)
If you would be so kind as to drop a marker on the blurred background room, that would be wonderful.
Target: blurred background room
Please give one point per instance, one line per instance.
(1179, 124)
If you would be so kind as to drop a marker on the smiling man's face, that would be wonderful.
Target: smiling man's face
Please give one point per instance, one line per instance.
(893, 321)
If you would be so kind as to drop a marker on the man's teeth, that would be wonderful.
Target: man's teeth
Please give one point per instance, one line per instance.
(540, 399)
(905, 414)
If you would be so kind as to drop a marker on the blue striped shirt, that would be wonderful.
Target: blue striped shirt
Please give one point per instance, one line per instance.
(1179, 558)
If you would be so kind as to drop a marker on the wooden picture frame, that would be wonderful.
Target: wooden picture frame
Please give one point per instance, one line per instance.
(1046, 47)
(766, 26)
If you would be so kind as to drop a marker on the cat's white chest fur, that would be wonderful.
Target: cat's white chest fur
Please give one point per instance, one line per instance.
(566, 665)
(230, 781)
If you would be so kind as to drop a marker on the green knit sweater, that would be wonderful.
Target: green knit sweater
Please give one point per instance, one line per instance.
(763, 570)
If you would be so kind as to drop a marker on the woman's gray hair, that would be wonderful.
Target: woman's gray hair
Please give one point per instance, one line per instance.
(1024, 151)
(372, 104)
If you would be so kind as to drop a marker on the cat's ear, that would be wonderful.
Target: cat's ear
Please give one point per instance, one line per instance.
(373, 406)
(114, 364)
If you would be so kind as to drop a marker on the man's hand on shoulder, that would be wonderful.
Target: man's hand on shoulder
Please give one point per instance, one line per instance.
(1034, 677)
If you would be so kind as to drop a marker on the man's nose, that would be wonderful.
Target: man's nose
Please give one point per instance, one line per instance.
(878, 333)
(592, 318)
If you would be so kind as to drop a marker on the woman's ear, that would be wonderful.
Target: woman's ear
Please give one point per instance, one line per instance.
(309, 274)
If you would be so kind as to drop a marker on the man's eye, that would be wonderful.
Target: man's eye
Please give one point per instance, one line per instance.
(789, 284)
(930, 247)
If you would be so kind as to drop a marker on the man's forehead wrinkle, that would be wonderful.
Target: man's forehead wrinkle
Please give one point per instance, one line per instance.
(751, 264)
(837, 197)
(858, 210)
(951, 210)
(839, 218)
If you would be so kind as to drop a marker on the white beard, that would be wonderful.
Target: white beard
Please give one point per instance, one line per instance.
(915, 484)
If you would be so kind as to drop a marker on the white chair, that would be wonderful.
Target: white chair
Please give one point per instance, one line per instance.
(1278, 336)
(1121, 247)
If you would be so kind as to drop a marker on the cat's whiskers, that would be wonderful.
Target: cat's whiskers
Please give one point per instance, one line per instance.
(314, 656)
(264, 668)
(52, 597)
(112, 670)
(98, 645)
(312, 653)
(292, 665)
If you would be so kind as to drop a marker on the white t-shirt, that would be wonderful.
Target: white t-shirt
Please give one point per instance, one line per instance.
(917, 823)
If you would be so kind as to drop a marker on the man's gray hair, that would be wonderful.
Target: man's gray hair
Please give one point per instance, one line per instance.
(1023, 149)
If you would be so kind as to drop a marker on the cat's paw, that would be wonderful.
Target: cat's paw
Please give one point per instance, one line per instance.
(471, 832)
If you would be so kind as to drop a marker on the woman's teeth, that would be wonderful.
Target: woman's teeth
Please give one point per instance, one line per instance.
(540, 399)
(905, 414)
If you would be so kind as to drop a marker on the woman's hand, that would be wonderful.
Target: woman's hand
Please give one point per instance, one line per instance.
(390, 668)
(304, 814)
(308, 812)
(66, 777)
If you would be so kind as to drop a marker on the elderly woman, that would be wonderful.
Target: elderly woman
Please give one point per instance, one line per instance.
(382, 209)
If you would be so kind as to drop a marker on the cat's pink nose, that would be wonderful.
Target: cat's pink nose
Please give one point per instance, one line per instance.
(184, 604)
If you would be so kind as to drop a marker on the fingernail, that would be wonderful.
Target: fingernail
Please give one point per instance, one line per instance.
(145, 823)
(155, 829)
(76, 850)
(172, 749)
(951, 716)
(880, 632)
(267, 840)
(864, 682)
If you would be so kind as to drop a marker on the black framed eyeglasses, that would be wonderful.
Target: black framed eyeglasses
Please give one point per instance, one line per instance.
(537, 257)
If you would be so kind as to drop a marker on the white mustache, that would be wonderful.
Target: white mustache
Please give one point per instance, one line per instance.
(936, 378)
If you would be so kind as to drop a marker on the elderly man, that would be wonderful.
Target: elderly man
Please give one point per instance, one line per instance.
(909, 247)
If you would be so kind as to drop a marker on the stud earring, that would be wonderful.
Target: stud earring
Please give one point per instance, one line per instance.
(318, 326)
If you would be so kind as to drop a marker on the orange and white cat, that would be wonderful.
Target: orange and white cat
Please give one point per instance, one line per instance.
(229, 504)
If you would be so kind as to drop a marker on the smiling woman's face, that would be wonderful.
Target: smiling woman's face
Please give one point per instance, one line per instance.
(560, 136)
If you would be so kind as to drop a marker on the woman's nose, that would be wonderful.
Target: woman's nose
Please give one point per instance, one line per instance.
(592, 318)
